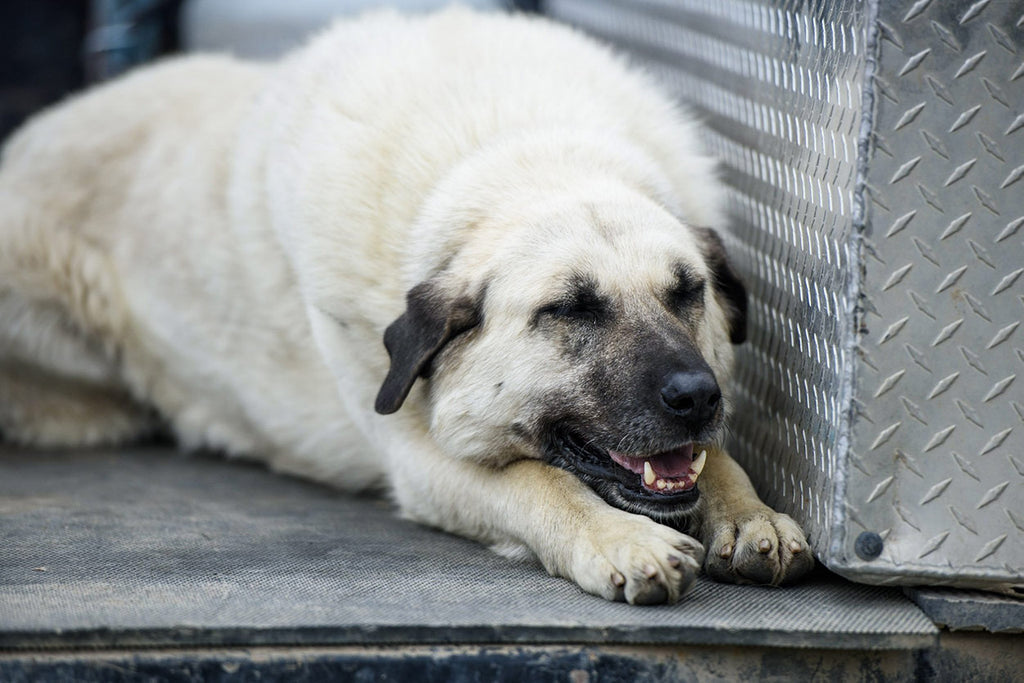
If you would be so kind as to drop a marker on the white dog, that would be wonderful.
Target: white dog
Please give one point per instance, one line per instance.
(226, 248)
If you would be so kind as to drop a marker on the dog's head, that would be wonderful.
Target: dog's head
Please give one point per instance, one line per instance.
(597, 337)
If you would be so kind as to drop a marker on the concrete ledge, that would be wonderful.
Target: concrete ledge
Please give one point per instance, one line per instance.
(493, 663)
(964, 610)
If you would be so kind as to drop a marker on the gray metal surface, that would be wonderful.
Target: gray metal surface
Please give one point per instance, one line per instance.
(964, 610)
(152, 548)
(267, 29)
(873, 152)
(126, 33)
(937, 461)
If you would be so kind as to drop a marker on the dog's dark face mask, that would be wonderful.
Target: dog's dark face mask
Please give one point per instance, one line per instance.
(623, 391)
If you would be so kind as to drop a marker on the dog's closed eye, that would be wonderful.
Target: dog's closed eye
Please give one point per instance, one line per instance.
(580, 304)
(587, 311)
(687, 292)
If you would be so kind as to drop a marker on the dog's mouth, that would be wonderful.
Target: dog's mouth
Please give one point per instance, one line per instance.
(661, 485)
(667, 472)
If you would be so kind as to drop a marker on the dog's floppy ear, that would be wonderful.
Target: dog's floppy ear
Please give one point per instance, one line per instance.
(731, 291)
(431, 319)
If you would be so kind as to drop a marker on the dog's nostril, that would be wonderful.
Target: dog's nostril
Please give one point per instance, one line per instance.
(685, 403)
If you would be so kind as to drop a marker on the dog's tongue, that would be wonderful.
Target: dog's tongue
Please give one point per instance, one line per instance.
(665, 472)
(674, 463)
(667, 464)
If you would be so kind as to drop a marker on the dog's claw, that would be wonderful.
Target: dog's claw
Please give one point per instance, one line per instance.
(631, 558)
(757, 546)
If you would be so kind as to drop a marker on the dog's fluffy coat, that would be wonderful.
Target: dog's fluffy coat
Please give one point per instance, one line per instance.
(220, 246)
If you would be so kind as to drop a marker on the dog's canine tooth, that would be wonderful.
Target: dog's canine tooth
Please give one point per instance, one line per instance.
(697, 466)
(649, 475)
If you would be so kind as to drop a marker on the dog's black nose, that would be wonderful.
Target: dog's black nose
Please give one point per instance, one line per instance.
(692, 395)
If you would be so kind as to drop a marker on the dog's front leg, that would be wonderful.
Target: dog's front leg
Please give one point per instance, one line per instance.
(574, 534)
(747, 541)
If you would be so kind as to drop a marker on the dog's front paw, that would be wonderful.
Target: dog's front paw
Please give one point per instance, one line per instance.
(757, 546)
(631, 558)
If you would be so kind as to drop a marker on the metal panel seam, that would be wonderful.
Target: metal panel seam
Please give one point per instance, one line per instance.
(854, 311)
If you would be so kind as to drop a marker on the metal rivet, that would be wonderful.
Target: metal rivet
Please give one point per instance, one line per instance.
(868, 545)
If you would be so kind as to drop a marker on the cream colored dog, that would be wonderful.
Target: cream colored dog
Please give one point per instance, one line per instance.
(221, 247)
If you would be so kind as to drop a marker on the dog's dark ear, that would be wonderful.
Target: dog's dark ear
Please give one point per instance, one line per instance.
(730, 289)
(431, 320)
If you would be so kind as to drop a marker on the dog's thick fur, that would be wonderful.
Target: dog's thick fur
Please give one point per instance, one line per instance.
(221, 247)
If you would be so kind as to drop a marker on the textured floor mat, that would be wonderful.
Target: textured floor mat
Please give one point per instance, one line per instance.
(151, 547)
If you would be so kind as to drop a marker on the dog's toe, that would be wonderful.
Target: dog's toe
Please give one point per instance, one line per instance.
(638, 561)
(762, 547)
(661, 582)
(647, 591)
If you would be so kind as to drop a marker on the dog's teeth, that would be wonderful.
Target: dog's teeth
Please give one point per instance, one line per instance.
(697, 466)
(649, 475)
(662, 483)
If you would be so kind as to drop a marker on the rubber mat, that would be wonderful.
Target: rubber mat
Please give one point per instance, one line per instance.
(151, 548)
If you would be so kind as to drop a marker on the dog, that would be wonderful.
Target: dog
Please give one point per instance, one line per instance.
(468, 259)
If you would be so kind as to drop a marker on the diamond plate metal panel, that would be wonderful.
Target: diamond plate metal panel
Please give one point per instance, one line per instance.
(874, 161)
(937, 456)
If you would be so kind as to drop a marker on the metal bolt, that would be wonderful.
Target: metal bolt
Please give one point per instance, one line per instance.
(868, 546)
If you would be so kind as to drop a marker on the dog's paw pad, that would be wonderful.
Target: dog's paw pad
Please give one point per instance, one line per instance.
(764, 547)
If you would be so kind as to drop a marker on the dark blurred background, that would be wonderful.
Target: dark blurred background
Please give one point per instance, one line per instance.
(40, 55)
(50, 48)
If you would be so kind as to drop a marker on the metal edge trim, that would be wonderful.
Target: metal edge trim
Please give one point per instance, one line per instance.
(836, 557)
